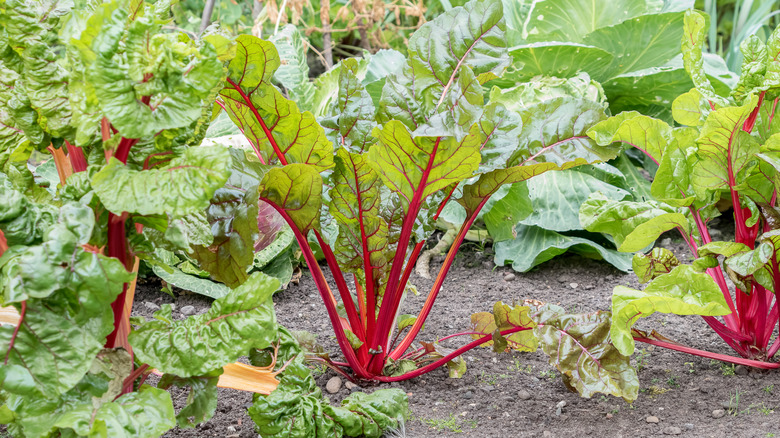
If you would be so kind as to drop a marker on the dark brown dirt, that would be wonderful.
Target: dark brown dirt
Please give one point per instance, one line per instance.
(518, 394)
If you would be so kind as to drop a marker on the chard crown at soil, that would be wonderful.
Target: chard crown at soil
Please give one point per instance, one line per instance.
(726, 148)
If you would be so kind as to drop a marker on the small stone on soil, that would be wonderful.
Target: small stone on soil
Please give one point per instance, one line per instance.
(151, 306)
(573, 285)
(523, 394)
(468, 395)
(609, 416)
(718, 413)
(559, 407)
(740, 370)
(562, 279)
(188, 310)
(509, 277)
(689, 426)
(547, 433)
(672, 430)
(334, 385)
(652, 419)
(350, 385)
(231, 429)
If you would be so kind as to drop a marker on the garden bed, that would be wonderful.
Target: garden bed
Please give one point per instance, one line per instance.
(519, 394)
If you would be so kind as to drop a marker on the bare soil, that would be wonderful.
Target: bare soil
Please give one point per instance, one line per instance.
(520, 394)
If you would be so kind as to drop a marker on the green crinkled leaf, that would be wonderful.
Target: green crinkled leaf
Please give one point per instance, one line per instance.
(355, 205)
(235, 220)
(67, 291)
(690, 108)
(620, 218)
(644, 133)
(53, 350)
(726, 249)
(747, 267)
(192, 283)
(354, 341)
(201, 400)
(555, 131)
(658, 262)
(541, 88)
(694, 33)
(579, 346)
(400, 158)
(293, 71)
(22, 221)
(725, 152)
(241, 320)
(182, 187)
(672, 182)
(178, 78)
(273, 124)
(472, 35)
(296, 410)
(297, 189)
(647, 232)
(683, 291)
(505, 317)
(754, 63)
(353, 114)
(146, 413)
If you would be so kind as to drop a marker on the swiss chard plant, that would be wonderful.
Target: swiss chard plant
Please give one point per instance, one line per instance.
(726, 148)
(122, 105)
(366, 182)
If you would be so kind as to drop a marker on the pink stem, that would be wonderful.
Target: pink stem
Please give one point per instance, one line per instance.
(707, 354)
(327, 295)
(426, 310)
(432, 366)
(16, 332)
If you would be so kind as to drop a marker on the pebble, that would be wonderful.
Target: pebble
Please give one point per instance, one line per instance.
(188, 310)
(173, 307)
(547, 433)
(652, 419)
(334, 385)
(350, 385)
(231, 429)
(151, 306)
(523, 394)
(718, 413)
(741, 370)
(559, 407)
(468, 395)
(562, 279)
(672, 430)
(609, 416)
(689, 426)
(573, 285)
(666, 242)
(509, 277)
